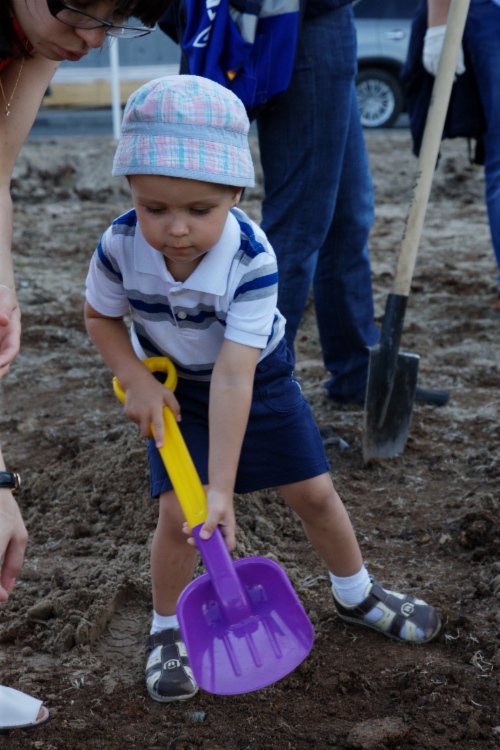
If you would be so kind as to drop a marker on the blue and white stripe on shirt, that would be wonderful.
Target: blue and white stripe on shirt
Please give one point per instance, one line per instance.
(231, 294)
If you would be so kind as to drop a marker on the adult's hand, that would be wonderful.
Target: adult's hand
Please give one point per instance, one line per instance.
(10, 329)
(13, 539)
(433, 46)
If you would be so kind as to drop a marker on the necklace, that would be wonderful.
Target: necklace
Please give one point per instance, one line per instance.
(8, 103)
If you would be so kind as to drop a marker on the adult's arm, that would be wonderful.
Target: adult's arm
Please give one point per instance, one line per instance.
(32, 82)
(13, 539)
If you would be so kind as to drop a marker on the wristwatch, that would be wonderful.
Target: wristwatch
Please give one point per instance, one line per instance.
(10, 480)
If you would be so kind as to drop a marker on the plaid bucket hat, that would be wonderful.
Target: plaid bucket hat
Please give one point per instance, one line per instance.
(185, 126)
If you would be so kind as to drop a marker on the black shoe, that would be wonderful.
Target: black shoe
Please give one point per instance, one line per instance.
(168, 674)
(329, 438)
(422, 396)
(357, 400)
(434, 398)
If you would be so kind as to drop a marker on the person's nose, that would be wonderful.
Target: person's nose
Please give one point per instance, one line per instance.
(178, 226)
(94, 38)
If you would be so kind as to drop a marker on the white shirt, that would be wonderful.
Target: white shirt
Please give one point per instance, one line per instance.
(231, 294)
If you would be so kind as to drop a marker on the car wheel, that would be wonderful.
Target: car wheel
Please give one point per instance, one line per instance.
(380, 98)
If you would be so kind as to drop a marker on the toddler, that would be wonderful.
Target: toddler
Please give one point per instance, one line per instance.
(199, 281)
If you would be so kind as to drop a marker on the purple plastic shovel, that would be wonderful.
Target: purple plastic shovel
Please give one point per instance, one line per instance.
(242, 622)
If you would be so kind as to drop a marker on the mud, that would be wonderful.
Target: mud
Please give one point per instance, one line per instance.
(428, 520)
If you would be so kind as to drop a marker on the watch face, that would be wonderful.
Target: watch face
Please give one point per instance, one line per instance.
(10, 480)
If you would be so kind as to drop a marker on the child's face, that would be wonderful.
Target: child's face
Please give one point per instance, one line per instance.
(181, 218)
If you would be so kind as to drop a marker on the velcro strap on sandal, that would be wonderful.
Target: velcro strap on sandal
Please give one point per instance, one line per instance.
(376, 595)
(163, 638)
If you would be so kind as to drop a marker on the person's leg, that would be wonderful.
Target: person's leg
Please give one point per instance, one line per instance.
(342, 283)
(295, 212)
(302, 141)
(357, 597)
(173, 561)
(325, 522)
(482, 35)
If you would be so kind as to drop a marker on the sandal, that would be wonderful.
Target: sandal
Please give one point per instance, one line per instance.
(398, 610)
(168, 674)
(20, 711)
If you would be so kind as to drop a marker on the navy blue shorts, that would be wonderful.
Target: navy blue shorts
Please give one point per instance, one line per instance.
(282, 444)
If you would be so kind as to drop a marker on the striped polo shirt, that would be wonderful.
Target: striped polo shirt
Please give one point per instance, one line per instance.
(231, 294)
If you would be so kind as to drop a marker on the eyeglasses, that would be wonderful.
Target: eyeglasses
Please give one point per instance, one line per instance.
(81, 20)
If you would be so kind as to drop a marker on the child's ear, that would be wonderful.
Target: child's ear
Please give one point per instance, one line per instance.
(238, 192)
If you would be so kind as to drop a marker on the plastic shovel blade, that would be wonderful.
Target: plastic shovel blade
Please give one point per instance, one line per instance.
(389, 404)
(234, 651)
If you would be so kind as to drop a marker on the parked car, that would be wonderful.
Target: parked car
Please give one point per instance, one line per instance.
(383, 29)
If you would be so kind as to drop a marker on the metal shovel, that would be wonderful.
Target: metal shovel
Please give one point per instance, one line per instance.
(392, 375)
(242, 622)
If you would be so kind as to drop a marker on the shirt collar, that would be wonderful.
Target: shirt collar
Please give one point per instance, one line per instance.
(212, 274)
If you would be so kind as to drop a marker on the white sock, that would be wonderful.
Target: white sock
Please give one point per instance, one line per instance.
(351, 590)
(161, 622)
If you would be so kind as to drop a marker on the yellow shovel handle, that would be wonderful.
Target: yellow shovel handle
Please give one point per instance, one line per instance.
(174, 452)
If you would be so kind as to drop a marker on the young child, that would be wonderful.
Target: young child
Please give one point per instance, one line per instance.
(199, 280)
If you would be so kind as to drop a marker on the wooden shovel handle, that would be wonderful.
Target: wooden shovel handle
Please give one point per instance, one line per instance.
(431, 141)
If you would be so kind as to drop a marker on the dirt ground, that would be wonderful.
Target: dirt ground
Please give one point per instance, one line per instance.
(428, 520)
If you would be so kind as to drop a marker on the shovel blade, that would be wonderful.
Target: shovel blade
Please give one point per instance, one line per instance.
(239, 657)
(389, 404)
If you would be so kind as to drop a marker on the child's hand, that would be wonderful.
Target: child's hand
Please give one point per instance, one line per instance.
(220, 513)
(145, 399)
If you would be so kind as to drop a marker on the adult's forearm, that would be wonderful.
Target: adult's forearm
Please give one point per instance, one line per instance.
(6, 263)
(10, 315)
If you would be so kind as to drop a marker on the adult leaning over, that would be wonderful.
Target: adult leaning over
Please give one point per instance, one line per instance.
(35, 36)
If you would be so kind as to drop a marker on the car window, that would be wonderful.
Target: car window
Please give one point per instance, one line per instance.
(385, 8)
